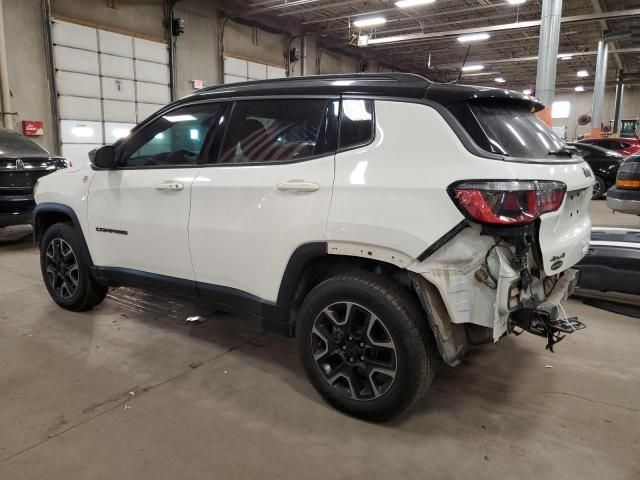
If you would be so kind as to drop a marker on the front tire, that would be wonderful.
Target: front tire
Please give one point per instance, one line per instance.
(364, 345)
(65, 270)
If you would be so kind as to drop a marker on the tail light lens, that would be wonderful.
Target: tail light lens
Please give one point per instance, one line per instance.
(629, 173)
(508, 203)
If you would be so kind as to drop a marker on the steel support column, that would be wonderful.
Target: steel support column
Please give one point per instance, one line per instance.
(5, 92)
(548, 55)
(618, 106)
(598, 90)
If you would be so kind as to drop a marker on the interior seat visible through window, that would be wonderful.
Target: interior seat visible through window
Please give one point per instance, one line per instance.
(278, 130)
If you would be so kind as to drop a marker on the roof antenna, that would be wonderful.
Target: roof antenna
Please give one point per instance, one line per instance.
(462, 66)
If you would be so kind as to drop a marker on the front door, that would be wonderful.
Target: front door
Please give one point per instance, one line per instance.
(139, 212)
(265, 193)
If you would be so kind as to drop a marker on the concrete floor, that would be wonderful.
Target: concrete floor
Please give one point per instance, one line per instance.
(132, 391)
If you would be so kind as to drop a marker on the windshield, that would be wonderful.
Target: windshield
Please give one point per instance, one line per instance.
(12, 143)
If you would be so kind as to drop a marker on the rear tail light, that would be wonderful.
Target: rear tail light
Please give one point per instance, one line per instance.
(507, 202)
(627, 183)
(629, 173)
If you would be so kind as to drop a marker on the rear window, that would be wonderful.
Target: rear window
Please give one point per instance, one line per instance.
(12, 143)
(510, 130)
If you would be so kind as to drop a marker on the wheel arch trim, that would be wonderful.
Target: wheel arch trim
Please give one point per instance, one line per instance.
(51, 207)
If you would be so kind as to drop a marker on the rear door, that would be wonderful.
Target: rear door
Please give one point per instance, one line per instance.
(139, 212)
(265, 192)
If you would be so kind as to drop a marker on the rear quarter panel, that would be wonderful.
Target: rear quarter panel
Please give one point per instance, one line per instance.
(391, 195)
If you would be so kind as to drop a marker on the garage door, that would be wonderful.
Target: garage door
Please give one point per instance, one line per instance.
(240, 70)
(106, 82)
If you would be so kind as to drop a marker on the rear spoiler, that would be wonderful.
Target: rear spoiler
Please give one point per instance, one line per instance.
(446, 94)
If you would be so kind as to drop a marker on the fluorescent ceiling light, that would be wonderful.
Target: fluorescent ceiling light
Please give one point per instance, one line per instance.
(473, 37)
(583, 73)
(500, 80)
(579, 88)
(527, 91)
(517, 2)
(565, 56)
(412, 3)
(472, 68)
(179, 118)
(369, 22)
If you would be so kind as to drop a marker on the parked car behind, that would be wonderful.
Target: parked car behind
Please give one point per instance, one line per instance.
(624, 197)
(603, 162)
(22, 162)
(624, 146)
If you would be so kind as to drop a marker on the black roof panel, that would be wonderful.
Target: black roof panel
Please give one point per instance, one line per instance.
(402, 85)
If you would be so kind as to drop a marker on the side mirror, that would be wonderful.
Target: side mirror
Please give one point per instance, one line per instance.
(103, 157)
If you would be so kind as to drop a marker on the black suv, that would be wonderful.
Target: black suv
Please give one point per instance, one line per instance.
(22, 162)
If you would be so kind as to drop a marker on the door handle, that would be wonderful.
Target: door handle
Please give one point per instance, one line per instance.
(170, 186)
(298, 186)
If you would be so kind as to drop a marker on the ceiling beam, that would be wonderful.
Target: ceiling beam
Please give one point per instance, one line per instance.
(534, 58)
(635, 12)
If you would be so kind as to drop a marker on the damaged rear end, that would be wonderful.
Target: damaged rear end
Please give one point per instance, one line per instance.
(507, 268)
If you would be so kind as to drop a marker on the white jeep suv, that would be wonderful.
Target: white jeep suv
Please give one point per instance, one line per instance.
(381, 219)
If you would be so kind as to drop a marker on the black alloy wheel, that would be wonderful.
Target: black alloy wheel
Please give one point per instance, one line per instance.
(62, 269)
(354, 351)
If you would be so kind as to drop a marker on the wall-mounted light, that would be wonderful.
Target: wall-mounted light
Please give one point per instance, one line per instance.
(579, 88)
(499, 80)
(582, 73)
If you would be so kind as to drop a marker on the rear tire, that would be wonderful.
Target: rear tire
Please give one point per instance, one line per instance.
(66, 272)
(364, 344)
(599, 189)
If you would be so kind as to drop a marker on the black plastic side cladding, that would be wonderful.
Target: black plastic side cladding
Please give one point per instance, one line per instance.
(443, 240)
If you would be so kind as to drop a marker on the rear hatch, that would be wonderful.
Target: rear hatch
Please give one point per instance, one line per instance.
(509, 128)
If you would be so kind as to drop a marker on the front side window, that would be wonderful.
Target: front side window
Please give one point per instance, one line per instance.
(175, 138)
(356, 123)
(279, 130)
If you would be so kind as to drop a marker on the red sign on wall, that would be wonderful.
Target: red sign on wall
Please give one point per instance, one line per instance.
(32, 128)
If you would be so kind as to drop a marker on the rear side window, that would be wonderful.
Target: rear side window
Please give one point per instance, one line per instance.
(275, 130)
(510, 130)
(356, 123)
